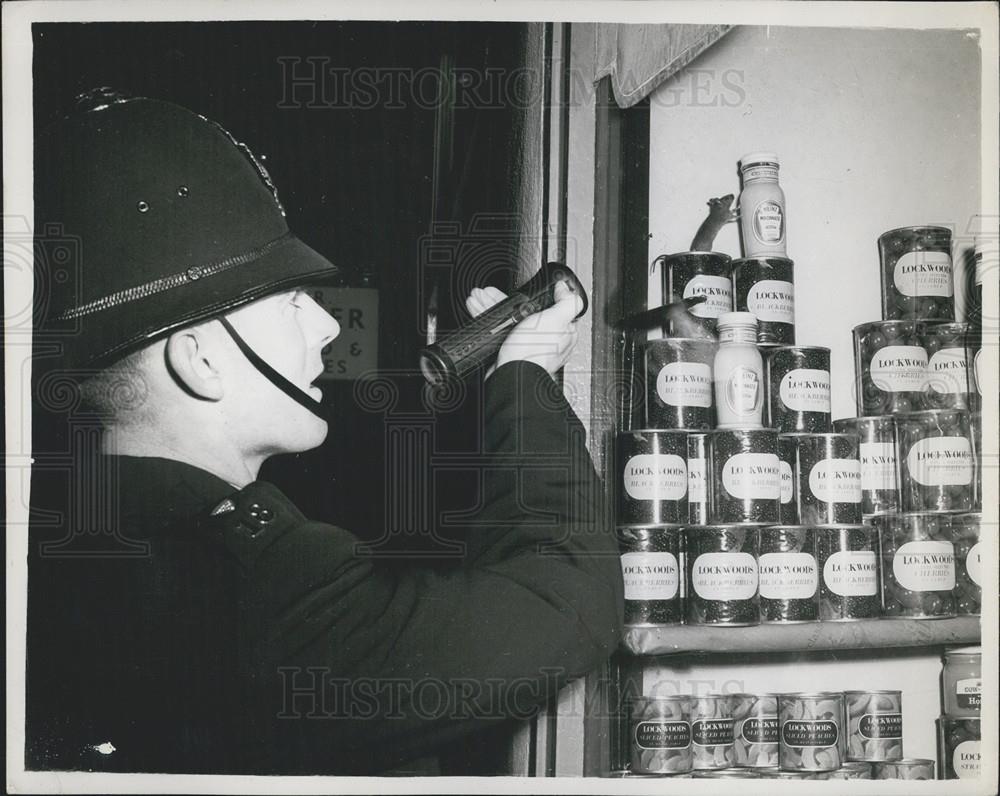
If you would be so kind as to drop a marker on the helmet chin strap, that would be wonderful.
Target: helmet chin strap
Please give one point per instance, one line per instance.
(279, 381)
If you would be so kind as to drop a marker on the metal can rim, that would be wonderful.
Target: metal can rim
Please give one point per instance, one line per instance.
(796, 347)
(810, 694)
(665, 257)
(934, 227)
(878, 324)
(763, 258)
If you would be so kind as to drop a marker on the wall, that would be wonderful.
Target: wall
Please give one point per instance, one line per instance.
(875, 129)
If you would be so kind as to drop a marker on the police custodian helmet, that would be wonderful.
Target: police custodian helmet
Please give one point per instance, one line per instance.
(173, 222)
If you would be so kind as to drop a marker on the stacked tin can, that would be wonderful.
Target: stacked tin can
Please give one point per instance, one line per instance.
(958, 728)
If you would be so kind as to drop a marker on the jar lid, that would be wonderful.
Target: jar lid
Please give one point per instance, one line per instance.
(737, 319)
(754, 158)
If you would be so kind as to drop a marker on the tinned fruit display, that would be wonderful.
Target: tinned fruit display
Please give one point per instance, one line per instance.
(874, 725)
(936, 461)
(789, 575)
(918, 565)
(722, 575)
(811, 731)
(660, 734)
(651, 574)
(890, 366)
(848, 562)
(917, 279)
(712, 731)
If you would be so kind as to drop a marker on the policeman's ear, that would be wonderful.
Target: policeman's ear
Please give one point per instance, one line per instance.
(190, 358)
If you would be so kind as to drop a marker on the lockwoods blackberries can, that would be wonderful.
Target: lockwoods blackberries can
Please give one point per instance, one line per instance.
(712, 732)
(788, 574)
(877, 454)
(651, 571)
(755, 729)
(890, 367)
(936, 461)
(847, 556)
(679, 391)
(812, 731)
(722, 575)
(692, 274)
(968, 590)
(699, 482)
(797, 379)
(828, 479)
(788, 504)
(746, 477)
(874, 725)
(660, 734)
(765, 287)
(918, 565)
(959, 752)
(652, 478)
(916, 272)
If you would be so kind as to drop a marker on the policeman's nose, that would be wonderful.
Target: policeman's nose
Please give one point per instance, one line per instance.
(321, 324)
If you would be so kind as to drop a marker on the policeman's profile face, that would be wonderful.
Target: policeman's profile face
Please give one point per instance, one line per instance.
(287, 330)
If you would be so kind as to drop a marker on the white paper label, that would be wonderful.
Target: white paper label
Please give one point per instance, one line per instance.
(752, 476)
(768, 222)
(966, 760)
(772, 300)
(724, 576)
(925, 566)
(685, 384)
(899, 368)
(941, 461)
(787, 489)
(656, 476)
(947, 371)
(923, 274)
(718, 293)
(697, 485)
(836, 480)
(878, 465)
(806, 390)
(743, 391)
(650, 576)
(787, 576)
(852, 573)
(974, 564)
(969, 687)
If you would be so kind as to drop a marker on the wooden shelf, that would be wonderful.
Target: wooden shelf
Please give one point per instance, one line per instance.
(806, 637)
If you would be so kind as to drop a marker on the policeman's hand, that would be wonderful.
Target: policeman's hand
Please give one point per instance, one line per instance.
(482, 298)
(546, 338)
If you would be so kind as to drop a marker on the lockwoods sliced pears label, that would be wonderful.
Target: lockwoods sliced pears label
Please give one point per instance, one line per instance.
(650, 576)
(878, 465)
(809, 733)
(712, 732)
(772, 300)
(752, 476)
(925, 566)
(899, 368)
(663, 735)
(760, 729)
(941, 461)
(852, 573)
(718, 293)
(923, 274)
(806, 390)
(655, 476)
(836, 480)
(885, 726)
(685, 384)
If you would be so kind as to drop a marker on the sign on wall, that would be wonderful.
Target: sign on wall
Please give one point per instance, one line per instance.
(355, 351)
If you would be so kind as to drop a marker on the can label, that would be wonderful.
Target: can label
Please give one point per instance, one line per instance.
(974, 564)
(743, 391)
(712, 732)
(650, 576)
(697, 483)
(656, 476)
(760, 729)
(941, 461)
(966, 760)
(768, 222)
(878, 465)
(925, 566)
(809, 733)
(787, 490)
(718, 293)
(772, 300)
(663, 735)
(806, 390)
(851, 573)
(923, 274)
(948, 372)
(883, 726)
(724, 576)
(685, 384)
(787, 576)
(836, 480)
(969, 694)
(752, 476)
(899, 368)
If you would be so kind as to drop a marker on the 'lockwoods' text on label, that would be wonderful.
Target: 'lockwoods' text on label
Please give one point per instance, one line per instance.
(899, 368)
(718, 293)
(878, 465)
(923, 274)
(752, 476)
(724, 576)
(806, 390)
(966, 760)
(655, 476)
(685, 384)
(851, 573)
(650, 576)
(836, 480)
(947, 372)
(697, 485)
(886, 726)
(772, 300)
(663, 735)
(762, 729)
(809, 733)
(712, 732)
(787, 576)
(925, 566)
(787, 488)
(941, 461)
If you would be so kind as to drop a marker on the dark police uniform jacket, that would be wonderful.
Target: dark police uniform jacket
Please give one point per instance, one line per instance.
(184, 626)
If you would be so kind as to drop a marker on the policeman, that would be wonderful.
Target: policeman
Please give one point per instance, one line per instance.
(223, 631)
